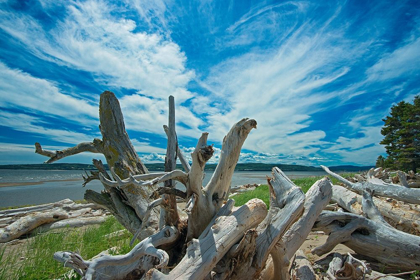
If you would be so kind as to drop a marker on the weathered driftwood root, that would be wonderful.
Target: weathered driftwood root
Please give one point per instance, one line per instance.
(127, 204)
(370, 238)
(235, 245)
(380, 188)
(217, 242)
(402, 216)
(203, 202)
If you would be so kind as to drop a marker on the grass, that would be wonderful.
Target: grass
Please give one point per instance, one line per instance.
(35, 259)
(263, 193)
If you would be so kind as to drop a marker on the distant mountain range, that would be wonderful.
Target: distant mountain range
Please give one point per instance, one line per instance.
(209, 167)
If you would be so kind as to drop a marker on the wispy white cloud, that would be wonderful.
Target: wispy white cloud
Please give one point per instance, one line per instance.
(91, 38)
(153, 158)
(282, 86)
(147, 114)
(359, 150)
(35, 125)
(154, 13)
(402, 62)
(146, 147)
(23, 91)
(283, 63)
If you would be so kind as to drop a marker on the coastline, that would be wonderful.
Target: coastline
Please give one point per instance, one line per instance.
(21, 184)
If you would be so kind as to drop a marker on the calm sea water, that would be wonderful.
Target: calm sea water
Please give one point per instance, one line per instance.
(45, 186)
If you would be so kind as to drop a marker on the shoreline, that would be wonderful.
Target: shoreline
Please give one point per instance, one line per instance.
(22, 184)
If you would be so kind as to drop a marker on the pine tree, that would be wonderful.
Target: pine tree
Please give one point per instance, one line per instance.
(380, 161)
(402, 135)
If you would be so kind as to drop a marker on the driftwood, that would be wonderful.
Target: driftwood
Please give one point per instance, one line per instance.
(370, 236)
(216, 249)
(336, 266)
(18, 212)
(409, 179)
(380, 188)
(18, 222)
(216, 241)
(403, 216)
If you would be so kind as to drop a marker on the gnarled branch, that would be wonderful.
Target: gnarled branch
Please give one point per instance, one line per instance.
(117, 267)
(93, 147)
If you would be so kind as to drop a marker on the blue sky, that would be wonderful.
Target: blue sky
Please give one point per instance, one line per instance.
(318, 76)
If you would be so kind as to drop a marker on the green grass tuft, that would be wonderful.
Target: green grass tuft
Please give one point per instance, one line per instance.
(35, 261)
(262, 192)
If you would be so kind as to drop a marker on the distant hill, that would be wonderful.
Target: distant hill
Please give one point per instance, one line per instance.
(209, 167)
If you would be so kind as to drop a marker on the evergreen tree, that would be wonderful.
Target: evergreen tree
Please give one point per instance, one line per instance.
(402, 136)
(380, 161)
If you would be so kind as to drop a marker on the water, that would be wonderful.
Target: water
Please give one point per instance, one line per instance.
(23, 187)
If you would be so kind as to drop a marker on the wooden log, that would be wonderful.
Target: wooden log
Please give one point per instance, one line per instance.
(286, 205)
(27, 219)
(381, 189)
(373, 239)
(317, 197)
(73, 223)
(405, 217)
(26, 210)
(30, 222)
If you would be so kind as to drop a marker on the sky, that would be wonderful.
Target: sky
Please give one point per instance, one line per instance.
(317, 76)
